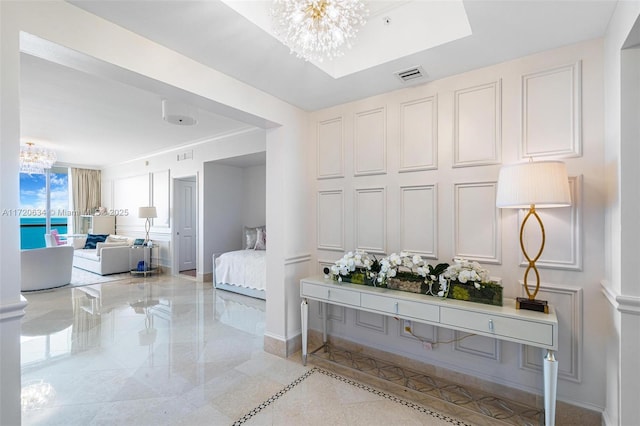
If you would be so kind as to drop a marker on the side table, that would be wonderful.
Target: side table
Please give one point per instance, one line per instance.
(141, 260)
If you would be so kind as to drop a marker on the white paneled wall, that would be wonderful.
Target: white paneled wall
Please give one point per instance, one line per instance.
(416, 170)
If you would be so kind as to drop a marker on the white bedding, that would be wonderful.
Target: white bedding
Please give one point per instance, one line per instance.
(244, 268)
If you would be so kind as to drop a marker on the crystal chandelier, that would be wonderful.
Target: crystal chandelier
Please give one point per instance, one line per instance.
(35, 160)
(317, 29)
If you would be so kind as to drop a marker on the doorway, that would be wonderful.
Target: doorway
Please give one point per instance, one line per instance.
(185, 210)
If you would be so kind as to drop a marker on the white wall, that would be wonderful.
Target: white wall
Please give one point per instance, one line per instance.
(416, 169)
(234, 197)
(255, 195)
(621, 286)
(223, 204)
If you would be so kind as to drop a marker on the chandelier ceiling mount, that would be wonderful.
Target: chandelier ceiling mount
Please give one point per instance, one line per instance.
(317, 29)
(35, 160)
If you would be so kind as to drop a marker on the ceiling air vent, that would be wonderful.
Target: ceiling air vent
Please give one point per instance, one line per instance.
(411, 74)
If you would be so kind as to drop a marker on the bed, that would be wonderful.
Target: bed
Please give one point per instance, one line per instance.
(244, 271)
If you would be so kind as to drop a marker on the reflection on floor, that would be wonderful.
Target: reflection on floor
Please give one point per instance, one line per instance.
(154, 351)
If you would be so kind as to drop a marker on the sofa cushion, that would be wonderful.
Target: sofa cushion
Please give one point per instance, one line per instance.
(90, 254)
(93, 239)
(119, 239)
(100, 246)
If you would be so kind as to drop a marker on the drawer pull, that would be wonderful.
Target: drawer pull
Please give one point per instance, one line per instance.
(491, 324)
(396, 306)
(328, 294)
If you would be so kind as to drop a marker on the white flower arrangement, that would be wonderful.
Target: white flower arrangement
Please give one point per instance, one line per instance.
(350, 262)
(390, 265)
(463, 271)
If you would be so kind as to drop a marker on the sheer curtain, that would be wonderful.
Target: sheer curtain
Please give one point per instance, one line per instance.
(86, 189)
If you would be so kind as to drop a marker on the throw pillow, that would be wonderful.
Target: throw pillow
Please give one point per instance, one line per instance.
(93, 239)
(250, 236)
(78, 242)
(261, 239)
(56, 236)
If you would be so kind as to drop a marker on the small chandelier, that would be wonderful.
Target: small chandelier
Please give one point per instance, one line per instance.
(317, 29)
(35, 160)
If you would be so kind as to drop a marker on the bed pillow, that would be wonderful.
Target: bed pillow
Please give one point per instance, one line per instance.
(93, 239)
(261, 239)
(250, 236)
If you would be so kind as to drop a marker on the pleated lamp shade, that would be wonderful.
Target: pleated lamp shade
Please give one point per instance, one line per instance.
(147, 212)
(544, 184)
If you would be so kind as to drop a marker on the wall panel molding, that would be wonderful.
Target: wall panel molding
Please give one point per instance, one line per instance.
(371, 321)
(419, 220)
(477, 125)
(552, 112)
(330, 222)
(568, 304)
(370, 220)
(297, 258)
(421, 332)
(563, 236)
(419, 135)
(330, 148)
(370, 142)
(161, 198)
(477, 229)
(480, 346)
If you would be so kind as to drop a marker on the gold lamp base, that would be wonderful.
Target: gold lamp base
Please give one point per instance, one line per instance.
(532, 304)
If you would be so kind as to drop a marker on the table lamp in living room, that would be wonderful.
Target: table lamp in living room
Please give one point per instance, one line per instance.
(533, 185)
(147, 213)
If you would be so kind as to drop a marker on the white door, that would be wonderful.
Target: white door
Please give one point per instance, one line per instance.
(186, 226)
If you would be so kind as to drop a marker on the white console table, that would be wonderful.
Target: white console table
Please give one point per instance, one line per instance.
(500, 322)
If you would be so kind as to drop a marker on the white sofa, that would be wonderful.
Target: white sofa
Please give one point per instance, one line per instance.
(110, 257)
(45, 268)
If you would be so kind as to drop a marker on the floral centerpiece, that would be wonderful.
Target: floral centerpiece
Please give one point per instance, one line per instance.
(357, 267)
(463, 280)
(466, 280)
(404, 271)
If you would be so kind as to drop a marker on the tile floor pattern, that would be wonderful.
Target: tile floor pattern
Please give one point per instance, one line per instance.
(500, 409)
(159, 350)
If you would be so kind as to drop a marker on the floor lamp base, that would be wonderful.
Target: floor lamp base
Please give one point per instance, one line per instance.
(532, 304)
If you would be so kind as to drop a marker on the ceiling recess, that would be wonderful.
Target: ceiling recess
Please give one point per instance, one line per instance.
(411, 74)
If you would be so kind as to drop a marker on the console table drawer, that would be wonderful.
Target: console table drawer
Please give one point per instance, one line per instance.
(522, 330)
(336, 295)
(405, 308)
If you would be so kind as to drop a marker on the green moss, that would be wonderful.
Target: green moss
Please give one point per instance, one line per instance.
(460, 293)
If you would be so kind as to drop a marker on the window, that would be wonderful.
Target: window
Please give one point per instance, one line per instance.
(43, 207)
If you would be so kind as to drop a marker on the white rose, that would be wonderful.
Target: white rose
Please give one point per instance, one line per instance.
(392, 273)
(476, 285)
(417, 259)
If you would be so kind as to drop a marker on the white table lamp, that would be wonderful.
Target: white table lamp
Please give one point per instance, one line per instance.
(533, 185)
(147, 213)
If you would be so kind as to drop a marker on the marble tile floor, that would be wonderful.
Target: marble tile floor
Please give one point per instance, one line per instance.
(159, 350)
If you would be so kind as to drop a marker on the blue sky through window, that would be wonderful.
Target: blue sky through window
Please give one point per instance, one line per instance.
(33, 192)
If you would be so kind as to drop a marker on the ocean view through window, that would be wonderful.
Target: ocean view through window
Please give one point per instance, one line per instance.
(36, 203)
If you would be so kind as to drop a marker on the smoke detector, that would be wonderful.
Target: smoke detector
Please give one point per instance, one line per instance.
(411, 74)
(179, 113)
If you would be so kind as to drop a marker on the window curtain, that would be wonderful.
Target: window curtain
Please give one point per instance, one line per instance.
(86, 190)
